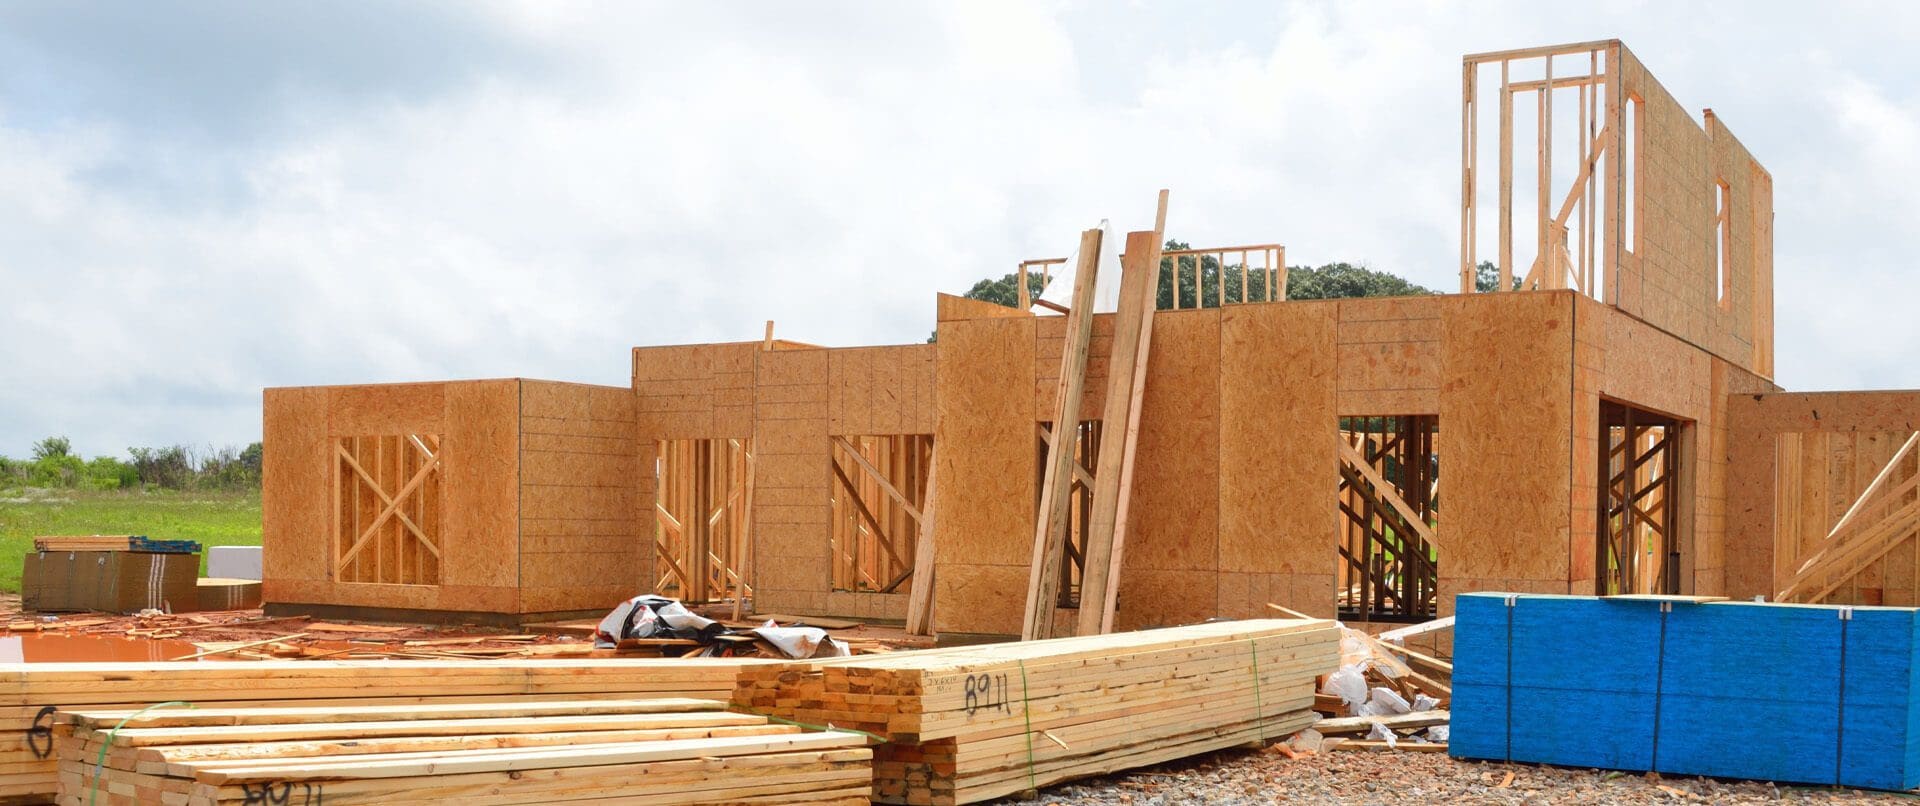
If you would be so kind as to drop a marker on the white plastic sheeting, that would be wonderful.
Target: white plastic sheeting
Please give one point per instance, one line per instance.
(1106, 280)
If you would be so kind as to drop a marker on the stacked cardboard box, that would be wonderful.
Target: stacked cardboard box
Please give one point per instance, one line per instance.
(111, 581)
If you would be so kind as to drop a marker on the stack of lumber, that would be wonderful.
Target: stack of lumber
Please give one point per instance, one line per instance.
(30, 693)
(974, 723)
(114, 543)
(1686, 685)
(658, 750)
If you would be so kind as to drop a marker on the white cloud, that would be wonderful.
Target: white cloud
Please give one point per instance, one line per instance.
(550, 184)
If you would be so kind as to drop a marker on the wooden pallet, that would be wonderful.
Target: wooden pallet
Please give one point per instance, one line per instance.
(31, 693)
(974, 723)
(660, 751)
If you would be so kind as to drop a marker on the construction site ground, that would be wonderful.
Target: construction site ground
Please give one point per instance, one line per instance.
(1247, 777)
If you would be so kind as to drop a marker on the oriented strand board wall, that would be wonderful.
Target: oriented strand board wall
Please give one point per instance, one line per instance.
(789, 559)
(583, 498)
(1669, 277)
(1505, 443)
(477, 422)
(1780, 448)
(697, 391)
(1621, 358)
(984, 490)
(1277, 446)
(1233, 505)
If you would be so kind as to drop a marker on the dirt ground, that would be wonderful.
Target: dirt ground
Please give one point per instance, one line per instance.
(1245, 778)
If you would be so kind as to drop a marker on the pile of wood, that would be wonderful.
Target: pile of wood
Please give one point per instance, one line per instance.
(973, 723)
(663, 750)
(1422, 682)
(31, 693)
(114, 543)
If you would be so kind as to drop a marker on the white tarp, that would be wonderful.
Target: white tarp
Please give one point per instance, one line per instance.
(1106, 279)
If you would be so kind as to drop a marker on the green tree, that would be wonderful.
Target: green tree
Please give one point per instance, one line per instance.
(1486, 277)
(52, 448)
(1345, 280)
(1005, 291)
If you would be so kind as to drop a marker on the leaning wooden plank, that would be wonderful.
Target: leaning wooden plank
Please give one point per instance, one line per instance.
(920, 596)
(1126, 385)
(1050, 529)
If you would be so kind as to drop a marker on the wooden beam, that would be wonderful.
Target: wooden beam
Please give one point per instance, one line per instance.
(1132, 335)
(920, 596)
(880, 534)
(1050, 528)
(879, 478)
(1080, 472)
(1386, 492)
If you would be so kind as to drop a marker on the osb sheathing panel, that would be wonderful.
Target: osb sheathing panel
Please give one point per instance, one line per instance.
(1051, 335)
(477, 422)
(984, 490)
(581, 506)
(1277, 451)
(699, 391)
(1670, 278)
(951, 307)
(1505, 409)
(295, 491)
(1389, 355)
(482, 445)
(1173, 523)
(880, 390)
(791, 479)
(1774, 441)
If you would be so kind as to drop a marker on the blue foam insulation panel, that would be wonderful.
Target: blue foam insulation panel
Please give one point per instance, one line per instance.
(1811, 694)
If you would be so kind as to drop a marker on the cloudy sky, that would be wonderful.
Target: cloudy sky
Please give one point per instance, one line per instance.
(201, 200)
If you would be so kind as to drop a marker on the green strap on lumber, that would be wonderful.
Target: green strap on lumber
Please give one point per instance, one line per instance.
(93, 790)
(1026, 709)
(1259, 710)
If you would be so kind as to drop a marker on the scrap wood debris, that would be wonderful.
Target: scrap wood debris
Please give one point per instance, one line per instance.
(249, 635)
(1384, 697)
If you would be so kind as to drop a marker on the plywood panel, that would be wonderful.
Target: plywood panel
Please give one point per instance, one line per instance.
(986, 493)
(1505, 410)
(1174, 522)
(295, 523)
(481, 445)
(1277, 439)
(389, 408)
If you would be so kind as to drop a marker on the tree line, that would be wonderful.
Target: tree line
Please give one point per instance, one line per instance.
(55, 465)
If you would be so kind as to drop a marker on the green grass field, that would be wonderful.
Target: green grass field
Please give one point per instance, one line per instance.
(213, 518)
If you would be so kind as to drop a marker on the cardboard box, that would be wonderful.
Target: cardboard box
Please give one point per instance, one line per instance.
(228, 594)
(61, 581)
(137, 580)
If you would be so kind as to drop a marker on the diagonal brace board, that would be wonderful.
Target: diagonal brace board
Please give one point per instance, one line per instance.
(1388, 493)
(1050, 527)
(391, 509)
(1844, 540)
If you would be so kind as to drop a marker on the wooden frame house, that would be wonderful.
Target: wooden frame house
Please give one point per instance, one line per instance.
(1594, 412)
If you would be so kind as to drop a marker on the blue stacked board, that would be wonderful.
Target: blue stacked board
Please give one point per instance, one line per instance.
(1780, 692)
(147, 544)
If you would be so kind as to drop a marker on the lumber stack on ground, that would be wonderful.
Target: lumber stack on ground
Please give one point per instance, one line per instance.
(674, 750)
(974, 723)
(31, 693)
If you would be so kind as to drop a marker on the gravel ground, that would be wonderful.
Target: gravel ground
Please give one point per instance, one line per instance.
(1243, 777)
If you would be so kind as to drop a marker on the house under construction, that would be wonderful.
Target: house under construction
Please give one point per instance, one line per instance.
(1597, 413)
